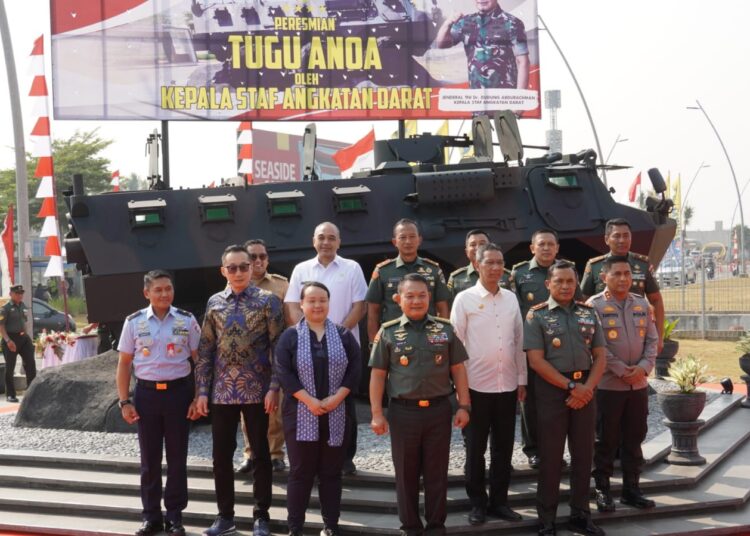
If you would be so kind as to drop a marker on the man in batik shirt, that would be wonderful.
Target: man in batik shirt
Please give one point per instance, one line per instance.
(495, 44)
(241, 326)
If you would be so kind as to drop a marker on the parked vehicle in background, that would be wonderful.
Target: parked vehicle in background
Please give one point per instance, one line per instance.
(49, 318)
(669, 273)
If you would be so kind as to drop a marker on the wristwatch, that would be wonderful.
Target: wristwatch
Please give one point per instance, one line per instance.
(123, 403)
(571, 385)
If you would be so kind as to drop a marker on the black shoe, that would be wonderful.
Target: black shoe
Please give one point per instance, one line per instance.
(175, 528)
(246, 466)
(328, 531)
(349, 468)
(534, 461)
(477, 516)
(149, 528)
(12, 399)
(261, 528)
(278, 465)
(295, 533)
(584, 525)
(547, 529)
(503, 512)
(604, 502)
(635, 498)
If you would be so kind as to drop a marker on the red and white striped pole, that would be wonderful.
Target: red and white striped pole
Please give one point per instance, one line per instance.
(245, 150)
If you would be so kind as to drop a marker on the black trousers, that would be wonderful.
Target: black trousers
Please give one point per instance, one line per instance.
(492, 415)
(308, 460)
(528, 417)
(224, 421)
(350, 439)
(620, 423)
(163, 424)
(557, 422)
(420, 445)
(24, 348)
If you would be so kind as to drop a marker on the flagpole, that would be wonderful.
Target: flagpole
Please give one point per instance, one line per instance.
(22, 188)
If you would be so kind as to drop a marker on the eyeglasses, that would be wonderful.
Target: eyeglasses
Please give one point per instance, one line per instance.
(255, 256)
(232, 268)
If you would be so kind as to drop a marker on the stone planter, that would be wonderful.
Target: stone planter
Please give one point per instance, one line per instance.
(745, 366)
(666, 357)
(682, 411)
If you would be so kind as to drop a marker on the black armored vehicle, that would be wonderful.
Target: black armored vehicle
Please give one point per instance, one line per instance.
(116, 237)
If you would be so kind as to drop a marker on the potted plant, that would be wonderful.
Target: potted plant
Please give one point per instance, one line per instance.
(743, 346)
(684, 404)
(682, 407)
(669, 351)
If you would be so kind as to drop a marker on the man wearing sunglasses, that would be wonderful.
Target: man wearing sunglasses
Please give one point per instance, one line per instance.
(277, 285)
(240, 328)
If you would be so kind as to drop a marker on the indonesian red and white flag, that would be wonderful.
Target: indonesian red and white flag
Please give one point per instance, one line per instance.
(360, 155)
(633, 187)
(7, 263)
(115, 182)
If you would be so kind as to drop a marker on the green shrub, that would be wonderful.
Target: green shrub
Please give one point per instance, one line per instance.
(76, 305)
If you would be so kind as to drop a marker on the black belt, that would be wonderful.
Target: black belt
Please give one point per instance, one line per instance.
(162, 386)
(418, 403)
(576, 375)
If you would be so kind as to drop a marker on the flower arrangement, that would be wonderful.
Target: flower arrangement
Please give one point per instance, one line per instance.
(56, 340)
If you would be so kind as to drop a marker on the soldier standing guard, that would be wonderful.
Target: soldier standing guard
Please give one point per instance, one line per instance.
(158, 342)
(420, 358)
(467, 276)
(565, 346)
(381, 306)
(622, 396)
(618, 236)
(16, 341)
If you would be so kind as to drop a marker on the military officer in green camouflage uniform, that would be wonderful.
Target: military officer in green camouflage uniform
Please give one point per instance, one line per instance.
(420, 358)
(16, 341)
(618, 237)
(468, 276)
(565, 346)
(386, 276)
(495, 43)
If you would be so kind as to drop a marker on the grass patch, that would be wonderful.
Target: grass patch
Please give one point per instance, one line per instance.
(76, 305)
(721, 357)
(726, 295)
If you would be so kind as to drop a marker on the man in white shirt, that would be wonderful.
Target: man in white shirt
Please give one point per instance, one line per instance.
(346, 282)
(488, 321)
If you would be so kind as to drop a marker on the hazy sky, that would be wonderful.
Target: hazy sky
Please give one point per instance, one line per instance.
(639, 63)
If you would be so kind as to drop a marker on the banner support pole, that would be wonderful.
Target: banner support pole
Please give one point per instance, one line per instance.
(165, 153)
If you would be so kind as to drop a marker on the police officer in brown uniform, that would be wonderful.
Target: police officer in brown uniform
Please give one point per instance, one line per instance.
(622, 394)
(16, 341)
(565, 346)
(420, 358)
(618, 236)
(278, 285)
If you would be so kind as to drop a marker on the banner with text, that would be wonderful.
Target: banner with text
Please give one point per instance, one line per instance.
(292, 59)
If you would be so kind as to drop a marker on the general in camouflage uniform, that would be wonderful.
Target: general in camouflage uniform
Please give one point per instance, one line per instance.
(495, 43)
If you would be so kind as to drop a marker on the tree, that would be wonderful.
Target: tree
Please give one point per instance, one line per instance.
(77, 154)
(133, 182)
(687, 216)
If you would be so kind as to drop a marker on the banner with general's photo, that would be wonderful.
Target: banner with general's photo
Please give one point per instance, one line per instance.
(293, 59)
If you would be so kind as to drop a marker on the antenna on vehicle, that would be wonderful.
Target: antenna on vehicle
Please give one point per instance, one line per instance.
(309, 142)
(152, 150)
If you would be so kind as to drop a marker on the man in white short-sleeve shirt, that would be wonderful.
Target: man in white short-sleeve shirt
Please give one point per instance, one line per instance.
(346, 283)
(487, 319)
